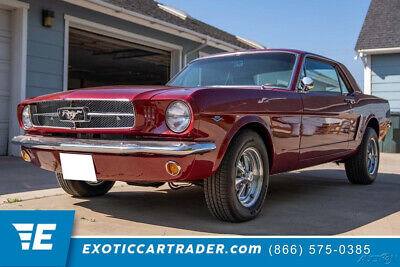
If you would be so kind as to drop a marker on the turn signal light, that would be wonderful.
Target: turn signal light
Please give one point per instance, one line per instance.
(25, 156)
(173, 168)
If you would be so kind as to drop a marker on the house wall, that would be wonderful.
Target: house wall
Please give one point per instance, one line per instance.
(385, 80)
(45, 59)
(385, 83)
(45, 50)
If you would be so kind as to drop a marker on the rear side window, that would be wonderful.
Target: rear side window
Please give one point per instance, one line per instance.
(324, 75)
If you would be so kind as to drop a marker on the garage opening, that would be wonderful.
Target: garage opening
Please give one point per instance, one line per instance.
(99, 60)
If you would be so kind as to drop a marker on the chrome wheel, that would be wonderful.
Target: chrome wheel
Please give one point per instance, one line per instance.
(372, 156)
(249, 176)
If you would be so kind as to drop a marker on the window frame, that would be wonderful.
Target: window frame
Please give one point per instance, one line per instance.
(339, 73)
(288, 88)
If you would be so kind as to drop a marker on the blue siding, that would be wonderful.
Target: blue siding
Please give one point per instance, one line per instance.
(386, 78)
(46, 45)
(386, 84)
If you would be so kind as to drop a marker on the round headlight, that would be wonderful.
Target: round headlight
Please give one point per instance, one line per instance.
(26, 117)
(178, 116)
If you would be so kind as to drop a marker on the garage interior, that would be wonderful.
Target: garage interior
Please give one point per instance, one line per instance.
(98, 60)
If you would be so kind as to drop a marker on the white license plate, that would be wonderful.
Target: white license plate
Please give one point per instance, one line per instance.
(78, 167)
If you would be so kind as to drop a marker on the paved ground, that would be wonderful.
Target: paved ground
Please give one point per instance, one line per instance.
(18, 176)
(313, 201)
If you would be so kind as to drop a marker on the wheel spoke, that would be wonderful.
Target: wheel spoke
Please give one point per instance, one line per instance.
(241, 167)
(239, 180)
(241, 190)
(246, 163)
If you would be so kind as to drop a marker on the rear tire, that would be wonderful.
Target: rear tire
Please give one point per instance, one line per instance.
(224, 193)
(362, 168)
(82, 188)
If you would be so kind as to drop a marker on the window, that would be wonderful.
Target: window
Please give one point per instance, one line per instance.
(269, 69)
(324, 76)
(345, 90)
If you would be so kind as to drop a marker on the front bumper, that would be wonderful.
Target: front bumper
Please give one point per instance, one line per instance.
(124, 160)
(168, 148)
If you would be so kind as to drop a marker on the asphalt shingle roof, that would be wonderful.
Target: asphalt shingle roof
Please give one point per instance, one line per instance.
(381, 28)
(150, 8)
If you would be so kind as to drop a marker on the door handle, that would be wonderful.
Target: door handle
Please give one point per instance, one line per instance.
(351, 101)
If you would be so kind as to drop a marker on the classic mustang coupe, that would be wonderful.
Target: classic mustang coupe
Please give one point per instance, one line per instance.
(226, 122)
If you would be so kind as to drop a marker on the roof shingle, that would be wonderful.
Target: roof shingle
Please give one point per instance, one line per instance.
(150, 8)
(381, 28)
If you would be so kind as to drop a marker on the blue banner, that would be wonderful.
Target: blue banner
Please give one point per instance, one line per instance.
(42, 238)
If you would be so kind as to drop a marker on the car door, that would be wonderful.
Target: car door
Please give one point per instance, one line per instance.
(327, 112)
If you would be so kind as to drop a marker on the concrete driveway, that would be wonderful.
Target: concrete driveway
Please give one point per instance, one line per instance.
(313, 201)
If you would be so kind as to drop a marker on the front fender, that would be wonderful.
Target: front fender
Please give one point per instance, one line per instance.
(251, 121)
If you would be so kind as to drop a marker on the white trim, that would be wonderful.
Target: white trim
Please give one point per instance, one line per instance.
(173, 11)
(19, 39)
(151, 22)
(66, 54)
(250, 42)
(71, 21)
(373, 51)
(367, 75)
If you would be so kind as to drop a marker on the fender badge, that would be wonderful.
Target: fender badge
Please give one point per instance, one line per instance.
(217, 118)
(263, 100)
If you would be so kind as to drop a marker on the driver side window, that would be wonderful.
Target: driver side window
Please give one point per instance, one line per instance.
(324, 75)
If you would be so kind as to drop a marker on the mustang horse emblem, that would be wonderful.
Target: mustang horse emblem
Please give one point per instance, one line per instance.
(70, 114)
(73, 114)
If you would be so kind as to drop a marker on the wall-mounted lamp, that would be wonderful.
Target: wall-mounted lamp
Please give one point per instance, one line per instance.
(48, 18)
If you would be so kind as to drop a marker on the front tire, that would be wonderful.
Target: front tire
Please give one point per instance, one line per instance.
(362, 168)
(237, 190)
(82, 188)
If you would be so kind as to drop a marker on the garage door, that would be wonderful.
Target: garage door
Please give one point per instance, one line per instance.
(5, 71)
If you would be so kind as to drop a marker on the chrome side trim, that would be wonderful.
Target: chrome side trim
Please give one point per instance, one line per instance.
(359, 127)
(173, 148)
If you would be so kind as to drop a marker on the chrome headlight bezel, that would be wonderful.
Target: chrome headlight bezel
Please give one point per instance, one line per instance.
(171, 118)
(26, 117)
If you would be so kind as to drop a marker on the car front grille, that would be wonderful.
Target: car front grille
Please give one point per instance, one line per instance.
(101, 114)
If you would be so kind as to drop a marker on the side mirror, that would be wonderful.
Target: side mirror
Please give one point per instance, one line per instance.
(307, 84)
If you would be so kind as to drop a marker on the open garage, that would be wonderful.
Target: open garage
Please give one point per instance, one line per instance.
(97, 60)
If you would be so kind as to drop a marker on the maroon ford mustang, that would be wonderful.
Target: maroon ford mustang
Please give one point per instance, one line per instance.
(226, 122)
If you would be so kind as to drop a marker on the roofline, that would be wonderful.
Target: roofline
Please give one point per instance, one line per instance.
(125, 14)
(373, 51)
(246, 52)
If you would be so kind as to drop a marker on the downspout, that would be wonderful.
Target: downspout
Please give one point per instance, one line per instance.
(185, 56)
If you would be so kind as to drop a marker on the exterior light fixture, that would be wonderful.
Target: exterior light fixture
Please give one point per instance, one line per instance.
(48, 18)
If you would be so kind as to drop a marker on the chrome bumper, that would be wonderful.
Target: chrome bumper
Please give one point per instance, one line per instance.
(175, 148)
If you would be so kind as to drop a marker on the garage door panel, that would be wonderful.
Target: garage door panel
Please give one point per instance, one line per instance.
(4, 109)
(5, 20)
(5, 71)
(5, 49)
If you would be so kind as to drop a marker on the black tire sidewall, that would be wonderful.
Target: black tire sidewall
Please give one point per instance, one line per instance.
(245, 140)
(368, 136)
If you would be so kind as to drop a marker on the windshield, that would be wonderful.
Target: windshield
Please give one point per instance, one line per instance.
(269, 69)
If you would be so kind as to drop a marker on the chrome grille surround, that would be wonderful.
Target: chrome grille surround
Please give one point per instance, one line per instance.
(102, 113)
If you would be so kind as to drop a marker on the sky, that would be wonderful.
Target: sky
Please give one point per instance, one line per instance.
(326, 27)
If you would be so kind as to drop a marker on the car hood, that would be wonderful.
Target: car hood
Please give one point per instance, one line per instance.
(108, 92)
